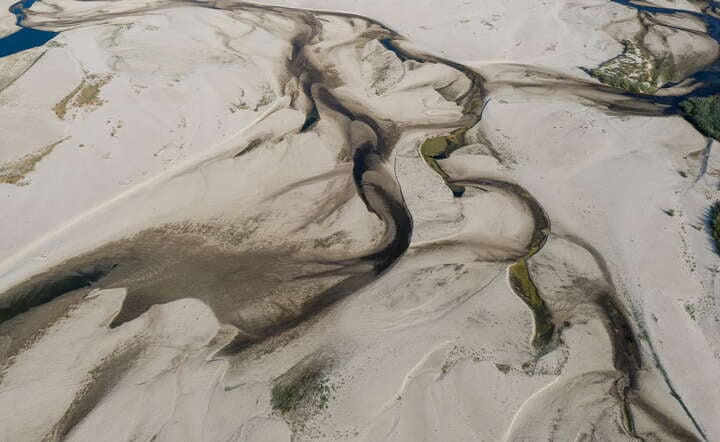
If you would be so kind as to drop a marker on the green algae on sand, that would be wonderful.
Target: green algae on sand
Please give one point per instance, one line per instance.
(440, 148)
(523, 285)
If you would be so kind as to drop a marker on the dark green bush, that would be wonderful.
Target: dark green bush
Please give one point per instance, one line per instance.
(713, 221)
(704, 113)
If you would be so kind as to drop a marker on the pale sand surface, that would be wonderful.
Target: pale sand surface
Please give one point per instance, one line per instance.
(226, 202)
(7, 19)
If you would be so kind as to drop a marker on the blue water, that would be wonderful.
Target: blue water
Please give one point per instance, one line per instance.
(19, 9)
(24, 38)
(712, 23)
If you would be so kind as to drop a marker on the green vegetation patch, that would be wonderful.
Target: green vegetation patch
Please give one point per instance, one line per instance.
(268, 96)
(503, 368)
(634, 70)
(61, 107)
(704, 114)
(690, 309)
(86, 94)
(89, 94)
(714, 224)
(302, 392)
(15, 172)
(523, 285)
(440, 148)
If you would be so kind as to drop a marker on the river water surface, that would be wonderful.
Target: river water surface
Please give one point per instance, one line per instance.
(24, 38)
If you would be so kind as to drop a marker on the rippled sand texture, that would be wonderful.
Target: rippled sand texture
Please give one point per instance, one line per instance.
(259, 222)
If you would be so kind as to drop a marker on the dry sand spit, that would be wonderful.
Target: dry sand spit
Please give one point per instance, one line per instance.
(267, 222)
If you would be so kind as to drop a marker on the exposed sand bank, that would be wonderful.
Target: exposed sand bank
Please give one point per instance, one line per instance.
(236, 236)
